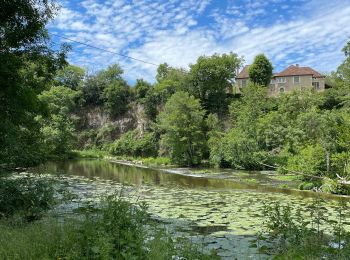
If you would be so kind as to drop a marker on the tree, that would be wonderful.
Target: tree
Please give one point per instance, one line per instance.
(211, 78)
(246, 112)
(181, 123)
(58, 128)
(260, 72)
(27, 67)
(116, 95)
(142, 87)
(109, 89)
(70, 76)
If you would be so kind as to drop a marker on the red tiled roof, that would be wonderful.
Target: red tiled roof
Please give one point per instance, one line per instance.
(293, 70)
(244, 74)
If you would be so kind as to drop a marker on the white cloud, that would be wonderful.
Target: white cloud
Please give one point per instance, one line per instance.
(174, 32)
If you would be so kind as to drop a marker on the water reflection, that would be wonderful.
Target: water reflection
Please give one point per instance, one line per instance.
(141, 175)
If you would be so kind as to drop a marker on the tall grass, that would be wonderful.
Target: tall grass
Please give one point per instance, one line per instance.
(115, 230)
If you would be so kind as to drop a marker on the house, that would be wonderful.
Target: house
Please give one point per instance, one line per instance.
(292, 78)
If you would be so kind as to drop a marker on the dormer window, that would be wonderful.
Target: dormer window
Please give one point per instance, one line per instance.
(296, 79)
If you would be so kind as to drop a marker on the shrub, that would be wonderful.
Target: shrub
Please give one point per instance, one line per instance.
(310, 160)
(296, 236)
(131, 144)
(235, 150)
(26, 197)
(116, 230)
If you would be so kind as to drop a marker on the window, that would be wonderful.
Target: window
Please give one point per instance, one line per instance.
(281, 90)
(244, 82)
(281, 80)
(273, 81)
(296, 79)
(316, 85)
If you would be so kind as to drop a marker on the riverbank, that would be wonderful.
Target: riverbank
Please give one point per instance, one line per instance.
(285, 183)
(61, 217)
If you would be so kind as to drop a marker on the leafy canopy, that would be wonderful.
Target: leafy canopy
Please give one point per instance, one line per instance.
(211, 78)
(260, 72)
(182, 123)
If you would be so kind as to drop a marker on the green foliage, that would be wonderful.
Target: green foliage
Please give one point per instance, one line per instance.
(246, 112)
(116, 98)
(116, 91)
(335, 186)
(58, 128)
(27, 67)
(294, 237)
(260, 72)
(116, 230)
(107, 88)
(133, 144)
(310, 160)
(70, 76)
(142, 88)
(25, 197)
(211, 78)
(235, 150)
(90, 153)
(182, 124)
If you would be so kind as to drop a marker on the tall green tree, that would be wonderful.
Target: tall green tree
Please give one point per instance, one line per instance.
(70, 76)
(27, 67)
(182, 126)
(211, 78)
(58, 128)
(260, 71)
(107, 88)
(142, 87)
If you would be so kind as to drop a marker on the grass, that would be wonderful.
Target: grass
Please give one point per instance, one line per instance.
(116, 230)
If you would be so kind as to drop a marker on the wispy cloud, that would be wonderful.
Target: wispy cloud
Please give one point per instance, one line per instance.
(298, 31)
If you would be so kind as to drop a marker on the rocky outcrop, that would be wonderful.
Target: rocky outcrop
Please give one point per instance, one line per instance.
(97, 118)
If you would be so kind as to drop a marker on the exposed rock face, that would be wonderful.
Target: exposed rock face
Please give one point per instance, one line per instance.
(96, 118)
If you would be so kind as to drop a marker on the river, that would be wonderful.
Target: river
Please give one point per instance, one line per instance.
(216, 208)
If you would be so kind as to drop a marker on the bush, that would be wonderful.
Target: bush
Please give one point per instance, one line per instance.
(235, 150)
(310, 160)
(301, 234)
(307, 186)
(25, 197)
(335, 187)
(131, 144)
(116, 230)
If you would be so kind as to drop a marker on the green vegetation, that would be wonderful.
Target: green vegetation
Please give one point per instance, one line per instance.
(260, 72)
(131, 144)
(114, 230)
(49, 108)
(181, 123)
(26, 197)
(318, 237)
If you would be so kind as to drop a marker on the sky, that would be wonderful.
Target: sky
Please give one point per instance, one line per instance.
(305, 32)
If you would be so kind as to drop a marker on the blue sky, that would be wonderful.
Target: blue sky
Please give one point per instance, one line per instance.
(310, 33)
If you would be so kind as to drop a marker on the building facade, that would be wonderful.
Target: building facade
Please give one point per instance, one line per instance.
(288, 80)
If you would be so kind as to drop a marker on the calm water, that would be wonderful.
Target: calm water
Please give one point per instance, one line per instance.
(215, 208)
